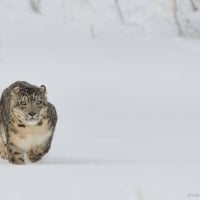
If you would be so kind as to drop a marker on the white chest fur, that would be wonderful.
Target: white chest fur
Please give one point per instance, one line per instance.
(33, 139)
(31, 136)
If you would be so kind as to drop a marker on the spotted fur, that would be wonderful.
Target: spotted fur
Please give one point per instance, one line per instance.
(27, 123)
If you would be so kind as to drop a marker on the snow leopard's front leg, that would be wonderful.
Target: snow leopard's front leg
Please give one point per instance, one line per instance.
(37, 152)
(15, 156)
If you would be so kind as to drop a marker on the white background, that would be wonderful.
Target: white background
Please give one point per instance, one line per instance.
(127, 99)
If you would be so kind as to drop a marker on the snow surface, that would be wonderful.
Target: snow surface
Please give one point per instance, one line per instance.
(128, 103)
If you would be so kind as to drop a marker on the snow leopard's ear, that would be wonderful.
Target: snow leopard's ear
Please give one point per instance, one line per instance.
(16, 90)
(42, 89)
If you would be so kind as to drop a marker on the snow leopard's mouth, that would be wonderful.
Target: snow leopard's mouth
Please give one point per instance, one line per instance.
(32, 120)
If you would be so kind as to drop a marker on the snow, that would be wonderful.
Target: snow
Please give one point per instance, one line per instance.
(127, 101)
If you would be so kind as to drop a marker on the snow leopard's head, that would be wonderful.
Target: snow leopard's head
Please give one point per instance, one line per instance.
(29, 103)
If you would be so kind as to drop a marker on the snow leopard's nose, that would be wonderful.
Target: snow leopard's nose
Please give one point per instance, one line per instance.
(32, 114)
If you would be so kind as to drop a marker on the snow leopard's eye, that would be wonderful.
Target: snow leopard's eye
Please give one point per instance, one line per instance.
(38, 100)
(23, 103)
(38, 103)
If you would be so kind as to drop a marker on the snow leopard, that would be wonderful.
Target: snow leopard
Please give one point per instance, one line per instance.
(27, 123)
